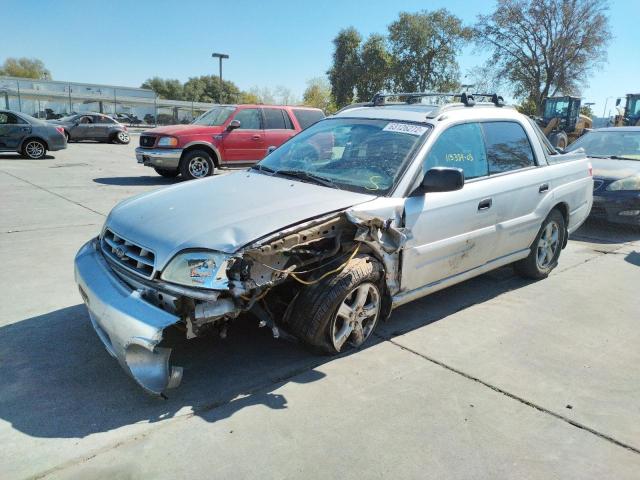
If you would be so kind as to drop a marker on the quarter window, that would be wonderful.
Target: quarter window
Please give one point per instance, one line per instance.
(249, 119)
(460, 146)
(508, 147)
(273, 119)
(306, 118)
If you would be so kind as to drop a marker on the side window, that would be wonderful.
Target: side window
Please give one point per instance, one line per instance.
(10, 119)
(86, 119)
(102, 119)
(4, 119)
(249, 119)
(508, 147)
(306, 118)
(460, 146)
(273, 119)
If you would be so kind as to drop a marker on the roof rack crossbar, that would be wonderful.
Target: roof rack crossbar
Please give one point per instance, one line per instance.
(466, 98)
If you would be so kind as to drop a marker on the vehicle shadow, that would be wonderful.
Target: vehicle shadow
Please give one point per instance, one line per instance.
(57, 380)
(17, 156)
(137, 181)
(596, 231)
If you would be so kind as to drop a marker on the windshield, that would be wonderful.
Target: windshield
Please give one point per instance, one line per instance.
(214, 117)
(633, 106)
(556, 108)
(611, 143)
(366, 156)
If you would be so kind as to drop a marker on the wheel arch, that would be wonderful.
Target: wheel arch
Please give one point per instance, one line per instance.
(34, 137)
(563, 208)
(212, 150)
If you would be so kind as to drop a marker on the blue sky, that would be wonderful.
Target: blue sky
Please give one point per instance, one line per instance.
(270, 42)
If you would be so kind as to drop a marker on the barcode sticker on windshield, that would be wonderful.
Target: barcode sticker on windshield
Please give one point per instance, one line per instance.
(409, 128)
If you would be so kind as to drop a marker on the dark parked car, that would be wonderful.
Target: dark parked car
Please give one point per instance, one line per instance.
(92, 126)
(29, 136)
(615, 156)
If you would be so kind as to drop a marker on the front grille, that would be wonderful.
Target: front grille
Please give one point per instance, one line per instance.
(147, 141)
(597, 184)
(127, 254)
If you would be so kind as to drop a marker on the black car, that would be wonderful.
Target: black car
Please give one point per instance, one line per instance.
(92, 126)
(615, 156)
(29, 136)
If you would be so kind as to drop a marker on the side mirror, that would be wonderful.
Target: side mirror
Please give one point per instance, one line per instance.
(233, 124)
(442, 179)
(270, 149)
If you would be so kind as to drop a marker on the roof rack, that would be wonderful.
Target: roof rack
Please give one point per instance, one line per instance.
(467, 99)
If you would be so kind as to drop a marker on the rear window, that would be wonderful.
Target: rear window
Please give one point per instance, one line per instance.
(306, 118)
(508, 147)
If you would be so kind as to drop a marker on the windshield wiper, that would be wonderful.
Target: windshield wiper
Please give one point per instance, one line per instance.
(301, 174)
(262, 168)
(612, 157)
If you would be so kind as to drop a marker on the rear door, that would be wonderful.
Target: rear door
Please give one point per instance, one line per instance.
(12, 130)
(278, 127)
(520, 184)
(245, 144)
(102, 126)
(452, 232)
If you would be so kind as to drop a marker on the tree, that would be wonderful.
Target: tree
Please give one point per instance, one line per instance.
(374, 68)
(206, 88)
(586, 110)
(165, 88)
(25, 68)
(318, 95)
(248, 97)
(424, 47)
(544, 47)
(346, 63)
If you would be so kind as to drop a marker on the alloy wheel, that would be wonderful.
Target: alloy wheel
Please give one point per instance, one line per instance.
(356, 316)
(34, 149)
(198, 167)
(548, 245)
(123, 137)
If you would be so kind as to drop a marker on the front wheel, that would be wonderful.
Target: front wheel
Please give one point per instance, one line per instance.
(546, 248)
(34, 149)
(122, 138)
(197, 164)
(341, 311)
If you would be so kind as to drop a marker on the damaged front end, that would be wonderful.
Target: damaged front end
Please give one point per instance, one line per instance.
(202, 292)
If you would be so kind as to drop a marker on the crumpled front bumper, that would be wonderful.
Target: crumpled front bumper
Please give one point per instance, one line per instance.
(167, 158)
(130, 327)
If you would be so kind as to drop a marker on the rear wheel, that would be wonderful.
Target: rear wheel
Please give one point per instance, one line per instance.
(122, 137)
(341, 311)
(34, 149)
(66, 135)
(166, 173)
(197, 164)
(546, 248)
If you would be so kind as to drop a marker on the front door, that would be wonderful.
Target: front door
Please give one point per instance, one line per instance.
(452, 232)
(246, 143)
(101, 126)
(83, 128)
(12, 130)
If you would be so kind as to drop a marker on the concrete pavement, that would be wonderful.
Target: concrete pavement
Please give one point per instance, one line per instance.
(494, 378)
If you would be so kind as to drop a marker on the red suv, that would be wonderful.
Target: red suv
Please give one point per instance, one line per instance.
(227, 135)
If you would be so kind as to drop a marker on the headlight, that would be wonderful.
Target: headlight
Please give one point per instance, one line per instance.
(198, 269)
(629, 183)
(168, 142)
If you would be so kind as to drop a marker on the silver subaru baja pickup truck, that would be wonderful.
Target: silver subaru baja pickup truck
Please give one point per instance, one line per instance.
(364, 211)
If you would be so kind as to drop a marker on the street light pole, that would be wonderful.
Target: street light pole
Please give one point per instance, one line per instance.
(220, 57)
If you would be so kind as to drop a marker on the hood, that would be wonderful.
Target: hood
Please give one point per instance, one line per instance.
(177, 130)
(222, 213)
(614, 169)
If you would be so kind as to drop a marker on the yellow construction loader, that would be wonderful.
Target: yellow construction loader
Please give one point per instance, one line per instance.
(562, 121)
(630, 116)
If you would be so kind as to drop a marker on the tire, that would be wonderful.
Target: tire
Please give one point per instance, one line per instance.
(166, 173)
(121, 137)
(197, 164)
(559, 140)
(67, 137)
(34, 149)
(544, 254)
(321, 311)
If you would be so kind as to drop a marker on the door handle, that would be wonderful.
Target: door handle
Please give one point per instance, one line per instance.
(256, 137)
(543, 188)
(485, 204)
(24, 129)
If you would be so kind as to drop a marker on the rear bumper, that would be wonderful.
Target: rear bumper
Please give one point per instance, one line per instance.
(57, 143)
(130, 327)
(618, 207)
(168, 158)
